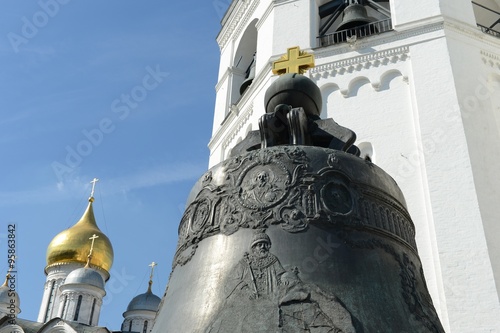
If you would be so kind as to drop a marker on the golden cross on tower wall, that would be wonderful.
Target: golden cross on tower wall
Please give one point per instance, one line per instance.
(294, 61)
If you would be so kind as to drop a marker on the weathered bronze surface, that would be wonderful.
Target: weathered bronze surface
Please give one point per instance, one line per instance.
(297, 236)
(294, 90)
(293, 105)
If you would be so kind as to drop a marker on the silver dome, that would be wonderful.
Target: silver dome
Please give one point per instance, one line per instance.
(5, 299)
(146, 301)
(85, 276)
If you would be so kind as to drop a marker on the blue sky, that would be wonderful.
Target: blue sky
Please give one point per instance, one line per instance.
(120, 90)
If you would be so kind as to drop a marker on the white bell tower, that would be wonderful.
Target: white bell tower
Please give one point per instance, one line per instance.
(419, 83)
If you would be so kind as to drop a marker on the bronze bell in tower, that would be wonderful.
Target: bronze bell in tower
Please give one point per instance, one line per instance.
(354, 15)
(250, 75)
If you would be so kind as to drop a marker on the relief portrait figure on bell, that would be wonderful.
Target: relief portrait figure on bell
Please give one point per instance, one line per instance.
(263, 186)
(262, 296)
(258, 274)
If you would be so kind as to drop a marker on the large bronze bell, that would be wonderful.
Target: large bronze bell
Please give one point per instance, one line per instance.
(301, 235)
(355, 15)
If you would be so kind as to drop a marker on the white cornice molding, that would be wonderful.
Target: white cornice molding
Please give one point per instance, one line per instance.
(491, 59)
(358, 62)
(73, 295)
(229, 10)
(231, 23)
(398, 53)
(239, 19)
(492, 56)
(139, 315)
(420, 23)
(471, 32)
(246, 18)
(283, 2)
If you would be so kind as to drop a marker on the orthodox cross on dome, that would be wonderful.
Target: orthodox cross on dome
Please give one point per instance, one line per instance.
(152, 265)
(93, 182)
(294, 61)
(89, 257)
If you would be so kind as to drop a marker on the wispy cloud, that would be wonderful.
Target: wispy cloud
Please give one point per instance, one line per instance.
(14, 118)
(43, 194)
(40, 50)
(156, 176)
(77, 186)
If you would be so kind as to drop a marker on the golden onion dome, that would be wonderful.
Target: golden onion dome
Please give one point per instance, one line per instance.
(73, 244)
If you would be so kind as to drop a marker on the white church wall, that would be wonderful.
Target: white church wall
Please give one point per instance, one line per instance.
(51, 294)
(411, 12)
(406, 12)
(221, 100)
(478, 84)
(434, 94)
(264, 43)
(226, 58)
(451, 192)
(293, 25)
(460, 10)
(138, 320)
